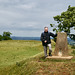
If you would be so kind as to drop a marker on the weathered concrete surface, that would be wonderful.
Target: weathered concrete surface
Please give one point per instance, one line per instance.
(60, 57)
(61, 48)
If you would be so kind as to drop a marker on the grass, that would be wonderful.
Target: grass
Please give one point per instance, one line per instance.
(27, 58)
(15, 51)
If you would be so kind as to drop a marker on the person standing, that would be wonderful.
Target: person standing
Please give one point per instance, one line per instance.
(46, 40)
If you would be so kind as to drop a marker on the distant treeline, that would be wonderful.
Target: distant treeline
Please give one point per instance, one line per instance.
(5, 36)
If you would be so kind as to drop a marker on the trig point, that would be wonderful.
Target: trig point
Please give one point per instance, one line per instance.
(61, 48)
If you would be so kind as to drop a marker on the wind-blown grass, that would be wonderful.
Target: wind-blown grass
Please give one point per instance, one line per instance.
(29, 60)
(14, 51)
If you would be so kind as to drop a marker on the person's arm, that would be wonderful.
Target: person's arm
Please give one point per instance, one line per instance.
(53, 35)
(42, 38)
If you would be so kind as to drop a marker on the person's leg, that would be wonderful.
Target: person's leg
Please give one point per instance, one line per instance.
(50, 49)
(45, 51)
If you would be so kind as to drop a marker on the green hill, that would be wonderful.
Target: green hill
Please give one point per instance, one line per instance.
(19, 57)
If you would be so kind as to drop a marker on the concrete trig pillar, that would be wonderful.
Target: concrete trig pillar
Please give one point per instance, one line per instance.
(61, 48)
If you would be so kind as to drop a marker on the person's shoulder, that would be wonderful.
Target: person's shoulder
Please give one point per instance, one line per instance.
(51, 33)
(42, 33)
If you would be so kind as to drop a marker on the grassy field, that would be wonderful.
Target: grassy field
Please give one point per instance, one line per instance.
(15, 51)
(19, 57)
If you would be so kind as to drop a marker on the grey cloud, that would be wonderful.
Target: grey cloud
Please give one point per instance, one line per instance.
(29, 15)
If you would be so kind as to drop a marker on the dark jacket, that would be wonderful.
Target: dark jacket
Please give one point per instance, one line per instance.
(46, 36)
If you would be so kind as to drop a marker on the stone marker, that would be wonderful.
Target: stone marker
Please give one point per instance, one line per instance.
(61, 48)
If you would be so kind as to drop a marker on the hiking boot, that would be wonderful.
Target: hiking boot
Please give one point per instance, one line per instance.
(50, 54)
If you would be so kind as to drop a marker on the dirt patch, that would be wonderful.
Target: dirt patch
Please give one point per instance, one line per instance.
(56, 69)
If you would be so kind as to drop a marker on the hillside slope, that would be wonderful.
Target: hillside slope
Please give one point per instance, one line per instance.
(29, 60)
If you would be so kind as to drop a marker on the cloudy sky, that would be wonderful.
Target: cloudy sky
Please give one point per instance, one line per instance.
(29, 17)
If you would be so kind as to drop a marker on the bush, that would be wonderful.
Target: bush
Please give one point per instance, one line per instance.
(1, 37)
(6, 36)
(73, 52)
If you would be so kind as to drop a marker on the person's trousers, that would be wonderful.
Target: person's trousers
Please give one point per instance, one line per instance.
(45, 49)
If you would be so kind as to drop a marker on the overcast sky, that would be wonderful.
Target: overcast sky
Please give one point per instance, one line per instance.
(29, 17)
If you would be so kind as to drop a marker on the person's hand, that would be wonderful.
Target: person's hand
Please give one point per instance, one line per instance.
(45, 41)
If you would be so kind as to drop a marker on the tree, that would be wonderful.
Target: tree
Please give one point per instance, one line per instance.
(66, 22)
(1, 37)
(6, 36)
